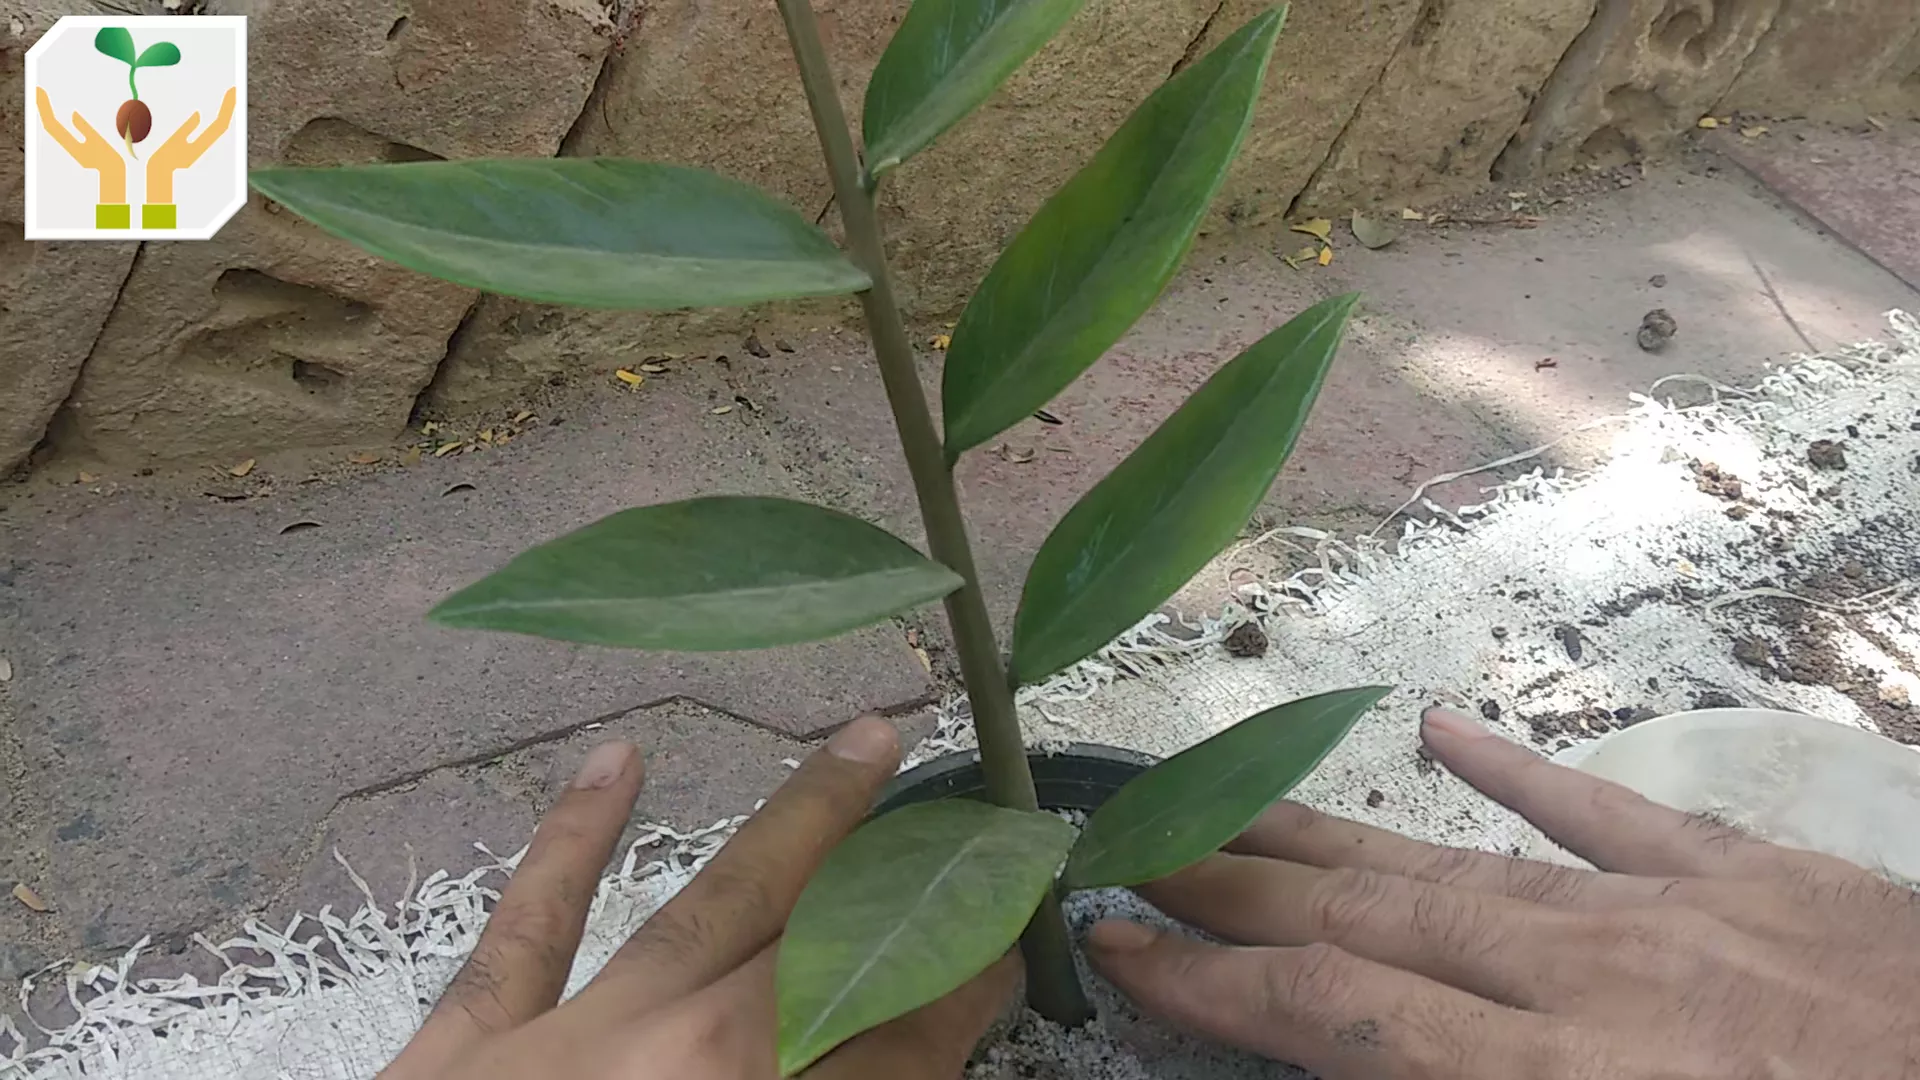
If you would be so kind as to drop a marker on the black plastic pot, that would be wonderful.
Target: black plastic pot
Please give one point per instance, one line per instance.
(1081, 777)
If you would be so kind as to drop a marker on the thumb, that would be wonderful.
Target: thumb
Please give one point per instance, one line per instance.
(934, 1041)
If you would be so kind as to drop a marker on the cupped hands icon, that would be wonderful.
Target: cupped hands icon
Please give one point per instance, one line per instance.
(95, 153)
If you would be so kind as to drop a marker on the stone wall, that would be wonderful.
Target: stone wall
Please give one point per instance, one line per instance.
(274, 335)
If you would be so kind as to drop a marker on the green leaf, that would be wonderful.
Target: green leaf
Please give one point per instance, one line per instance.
(905, 910)
(1098, 254)
(159, 54)
(704, 575)
(116, 42)
(593, 232)
(1189, 806)
(945, 59)
(1177, 500)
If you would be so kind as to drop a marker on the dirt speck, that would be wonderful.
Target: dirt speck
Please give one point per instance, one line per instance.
(1499, 633)
(1895, 696)
(1753, 652)
(1570, 640)
(1364, 1035)
(1826, 454)
(1716, 699)
(1375, 797)
(754, 348)
(1247, 640)
(1490, 709)
(1715, 481)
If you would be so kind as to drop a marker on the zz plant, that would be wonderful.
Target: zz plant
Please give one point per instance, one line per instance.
(921, 899)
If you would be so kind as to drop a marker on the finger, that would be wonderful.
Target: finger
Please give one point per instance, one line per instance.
(1302, 835)
(1338, 1016)
(221, 120)
(1487, 945)
(1606, 824)
(519, 967)
(52, 123)
(738, 904)
(86, 129)
(934, 1041)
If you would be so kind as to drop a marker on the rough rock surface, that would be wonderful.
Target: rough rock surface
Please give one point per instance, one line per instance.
(1640, 75)
(275, 334)
(1793, 70)
(1447, 104)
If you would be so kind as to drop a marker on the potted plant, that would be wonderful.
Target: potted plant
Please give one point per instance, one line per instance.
(928, 893)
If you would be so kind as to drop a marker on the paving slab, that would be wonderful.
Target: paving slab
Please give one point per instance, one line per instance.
(196, 687)
(1863, 183)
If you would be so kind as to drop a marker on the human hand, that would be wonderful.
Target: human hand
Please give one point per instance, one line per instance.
(182, 149)
(1696, 951)
(89, 149)
(690, 996)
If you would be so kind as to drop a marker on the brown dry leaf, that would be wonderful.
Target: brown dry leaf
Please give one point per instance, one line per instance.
(487, 435)
(1879, 124)
(31, 899)
(1410, 214)
(1017, 457)
(1319, 228)
(1302, 257)
(6, 669)
(925, 660)
(1326, 257)
(411, 457)
(87, 477)
(241, 469)
(654, 369)
(721, 410)
(942, 341)
(632, 379)
(1709, 122)
(448, 449)
(525, 415)
(1373, 233)
(429, 427)
(364, 459)
(1753, 132)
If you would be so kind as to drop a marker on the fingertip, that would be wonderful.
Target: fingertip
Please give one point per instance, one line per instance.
(606, 764)
(868, 740)
(1118, 937)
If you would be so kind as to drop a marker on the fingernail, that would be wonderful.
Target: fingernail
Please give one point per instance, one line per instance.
(603, 766)
(1450, 723)
(1121, 936)
(868, 740)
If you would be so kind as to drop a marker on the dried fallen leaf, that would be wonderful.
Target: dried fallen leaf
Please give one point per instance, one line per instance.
(1302, 257)
(365, 459)
(1709, 122)
(1753, 132)
(31, 899)
(241, 469)
(941, 341)
(462, 486)
(411, 457)
(1879, 124)
(87, 477)
(1410, 214)
(754, 348)
(1516, 194)
(654, 369)
(448, 449)
(298, 526)
(1373, 233)
(486, 436)
(1046, 417)
(1319, 228)
(632, 379)
(722, 410)
(1017, 457)
(1326, 257)
(925, 660)
(1545, 362)
(6, 669)
(525, 415)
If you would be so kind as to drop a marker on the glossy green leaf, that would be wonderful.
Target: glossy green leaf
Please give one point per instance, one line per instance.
(159, 54)
(592, 232)
(116, 42)
(1189, 806)
(905, 910)
(945, 59)
(1177, 500)
(1098, 254)
(704, 575)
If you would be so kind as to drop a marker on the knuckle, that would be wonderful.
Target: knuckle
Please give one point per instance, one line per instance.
(1448, 865)
(1343, 901)
(1667, 945)
(1319, 977)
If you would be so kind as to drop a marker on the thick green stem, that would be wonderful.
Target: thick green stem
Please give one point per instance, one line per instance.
(1053, 984)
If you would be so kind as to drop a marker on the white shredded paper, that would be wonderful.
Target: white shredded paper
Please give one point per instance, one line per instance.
(1464, 607)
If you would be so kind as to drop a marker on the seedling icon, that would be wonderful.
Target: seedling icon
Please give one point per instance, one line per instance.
(134, 121)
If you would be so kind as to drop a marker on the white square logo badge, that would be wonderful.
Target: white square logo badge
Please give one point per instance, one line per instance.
(136, 127)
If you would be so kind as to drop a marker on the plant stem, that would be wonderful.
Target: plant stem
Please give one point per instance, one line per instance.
(1053, 984)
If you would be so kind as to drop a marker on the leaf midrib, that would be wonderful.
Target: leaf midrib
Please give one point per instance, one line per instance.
(743, 593)
(832, 1006)
(1019, 363)
(1181, 492)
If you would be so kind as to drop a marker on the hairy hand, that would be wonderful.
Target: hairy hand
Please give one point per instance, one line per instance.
(690, 995)
(1696, 951)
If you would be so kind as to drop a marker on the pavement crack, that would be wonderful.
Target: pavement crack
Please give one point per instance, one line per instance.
(1192, 50)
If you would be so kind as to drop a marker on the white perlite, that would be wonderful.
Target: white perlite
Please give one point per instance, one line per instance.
(1649, 578)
